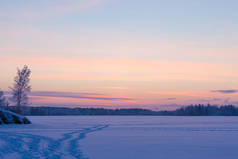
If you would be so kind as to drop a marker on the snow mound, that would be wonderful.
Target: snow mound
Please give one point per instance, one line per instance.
(7, 117)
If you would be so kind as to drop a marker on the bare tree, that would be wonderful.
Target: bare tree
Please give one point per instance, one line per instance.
(21, 87)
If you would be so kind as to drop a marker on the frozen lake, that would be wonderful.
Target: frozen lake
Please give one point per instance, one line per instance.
(121, 137)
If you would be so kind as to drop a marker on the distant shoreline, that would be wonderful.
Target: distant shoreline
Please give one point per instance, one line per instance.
(192, 110)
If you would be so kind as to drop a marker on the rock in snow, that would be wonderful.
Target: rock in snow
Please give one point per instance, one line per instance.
(7, 117)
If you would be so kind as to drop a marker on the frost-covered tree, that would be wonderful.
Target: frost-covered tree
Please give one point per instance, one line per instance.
(2, 99)
(21, 87)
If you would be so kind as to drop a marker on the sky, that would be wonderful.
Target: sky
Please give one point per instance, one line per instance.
(153, 54)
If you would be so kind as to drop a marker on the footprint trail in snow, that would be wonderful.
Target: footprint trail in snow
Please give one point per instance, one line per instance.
(29, 146)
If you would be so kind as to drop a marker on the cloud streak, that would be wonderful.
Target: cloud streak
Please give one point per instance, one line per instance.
(228, 91)
(171, 98)
(92, 96)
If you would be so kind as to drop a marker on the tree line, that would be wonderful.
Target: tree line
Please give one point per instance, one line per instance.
(203, 110)
(192, 110)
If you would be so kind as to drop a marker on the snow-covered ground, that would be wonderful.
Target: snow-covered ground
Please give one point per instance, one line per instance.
(121, 137)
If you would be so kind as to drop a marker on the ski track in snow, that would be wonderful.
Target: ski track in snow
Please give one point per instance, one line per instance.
(28, 146)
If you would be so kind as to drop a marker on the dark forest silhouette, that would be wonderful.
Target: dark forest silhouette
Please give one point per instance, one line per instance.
(192, 110)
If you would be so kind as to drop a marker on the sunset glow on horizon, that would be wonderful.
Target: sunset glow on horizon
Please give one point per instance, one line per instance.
(122, 54)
